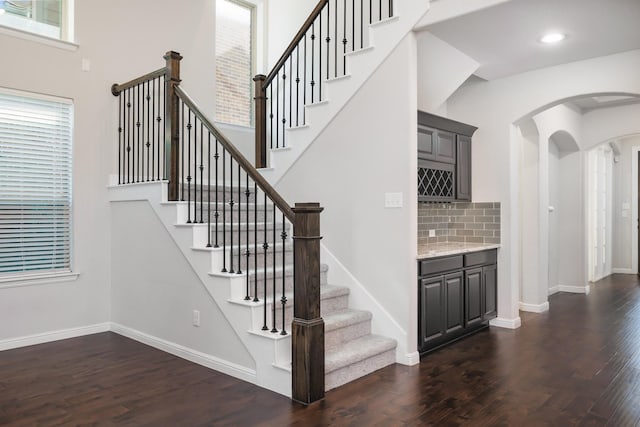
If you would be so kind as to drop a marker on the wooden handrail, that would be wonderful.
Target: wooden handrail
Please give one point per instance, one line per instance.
(298, 37)
(116, 89)
(238, 157)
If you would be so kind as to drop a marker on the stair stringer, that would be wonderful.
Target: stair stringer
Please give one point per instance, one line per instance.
(269, 351)
(384, 37)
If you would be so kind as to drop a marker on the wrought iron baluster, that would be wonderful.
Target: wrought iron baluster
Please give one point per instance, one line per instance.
(390, 8)
(195, 169)
(320, 58)
(247, 269)
(273, 276)
(128, 126)
(304, 85)
(182, 180)
(313, 44)
(265, 248)
(201, 178)
(189, 168)
(209, 187)
(216, 214)
(353, 25)
(328, 39)
(284, 99)
(283, 299)
(224, 211)
(278, 110)
(239, 221)
(290, 91)
(380, 11)
(231, 205)
(255, 242)
(148, 143)
(120, 144)
(335, 39)
(137, 145)
(361, 24)
(344, 38)
(297, 83)
(370, 12)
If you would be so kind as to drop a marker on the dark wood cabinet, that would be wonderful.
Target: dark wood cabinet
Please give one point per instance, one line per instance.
(457, 296)
(443, 142)
(463, 168)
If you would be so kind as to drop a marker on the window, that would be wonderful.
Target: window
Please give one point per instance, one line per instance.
(35, 184)
(235, 23)
(44, 17)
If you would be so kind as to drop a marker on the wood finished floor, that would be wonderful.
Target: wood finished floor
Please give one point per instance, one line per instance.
(577, 365)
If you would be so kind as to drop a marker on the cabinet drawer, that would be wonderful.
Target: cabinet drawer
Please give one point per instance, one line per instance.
(439, 265)
(480, 258)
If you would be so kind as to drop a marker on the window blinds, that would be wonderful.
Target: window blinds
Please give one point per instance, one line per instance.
(35, 184)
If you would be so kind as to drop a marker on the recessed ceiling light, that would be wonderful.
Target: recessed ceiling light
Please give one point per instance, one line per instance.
(552, 38)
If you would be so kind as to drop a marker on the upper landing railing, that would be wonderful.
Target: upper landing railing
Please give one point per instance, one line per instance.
(316, 54)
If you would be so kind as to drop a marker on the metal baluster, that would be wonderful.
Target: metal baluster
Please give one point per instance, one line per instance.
(273, 304)
(320, 58)
(290, 90)
(313, 44)
(304, 85)
(201, 179)
(224, 211)
(265, 247)
(297, 83)
(189, 168)
(247, 193)
(216, 214)
(328, 39)
(353, 25)
(271, 115)
(239, 221)
(120, 137)
(209, 186)
(344, 39)
(390, 8)
(284, 100)
(195, 169)
(128, 125)
(137, 145)
(160, 140)
(370, 12)
(153, 129)
(278, 110)
(361, 25)
(182, 156)
(380, 11)
(255, 242)
(231, 205)
(148, 144)
(335, 39)
(283, 299)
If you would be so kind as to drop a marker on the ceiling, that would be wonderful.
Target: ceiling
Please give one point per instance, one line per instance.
(504, 38)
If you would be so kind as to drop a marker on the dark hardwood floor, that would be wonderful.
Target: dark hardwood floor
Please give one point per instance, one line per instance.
(577, 365)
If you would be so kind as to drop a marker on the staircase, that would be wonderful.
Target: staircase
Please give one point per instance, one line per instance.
(351, 351)
(235, 230)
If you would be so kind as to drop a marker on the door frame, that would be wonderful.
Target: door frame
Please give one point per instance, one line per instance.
(635, 158)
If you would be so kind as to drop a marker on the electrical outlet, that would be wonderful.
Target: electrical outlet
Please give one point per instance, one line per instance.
(432, 233)
(196, 318)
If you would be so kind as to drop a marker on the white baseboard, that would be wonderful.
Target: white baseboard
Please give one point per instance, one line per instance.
(584, 289)
(211, 362)
(622, 271)
(501, 322)
(411, 359)
(535, 308)
(553, 290)
(45, 337)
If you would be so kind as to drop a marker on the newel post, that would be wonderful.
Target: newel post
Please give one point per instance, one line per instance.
(307, 330)
(171, 123)
(260, 99)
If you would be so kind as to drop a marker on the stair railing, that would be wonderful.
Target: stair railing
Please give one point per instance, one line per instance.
(316, 54)
(163, 135)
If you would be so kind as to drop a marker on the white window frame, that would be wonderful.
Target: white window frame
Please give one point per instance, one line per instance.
(28, 29)
(35, 277)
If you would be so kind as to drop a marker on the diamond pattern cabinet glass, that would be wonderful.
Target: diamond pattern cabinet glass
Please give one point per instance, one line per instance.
(436, 181)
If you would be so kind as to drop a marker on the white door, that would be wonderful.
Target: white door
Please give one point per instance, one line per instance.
(600, 208)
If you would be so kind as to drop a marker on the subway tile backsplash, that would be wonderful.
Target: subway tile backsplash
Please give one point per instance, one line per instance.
(459, 222)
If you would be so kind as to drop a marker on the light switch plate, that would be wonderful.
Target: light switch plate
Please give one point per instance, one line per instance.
(392, 200)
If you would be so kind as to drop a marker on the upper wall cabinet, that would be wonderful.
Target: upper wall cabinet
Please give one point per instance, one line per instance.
(444, 159)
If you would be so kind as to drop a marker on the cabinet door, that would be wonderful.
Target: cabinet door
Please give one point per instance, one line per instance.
(473, 294)
(426, 143)
(445, 147)
(490, 282)
(463, 168)
(454, 302)
(431, 310)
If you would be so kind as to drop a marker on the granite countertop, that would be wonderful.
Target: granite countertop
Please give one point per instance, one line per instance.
(433, 250)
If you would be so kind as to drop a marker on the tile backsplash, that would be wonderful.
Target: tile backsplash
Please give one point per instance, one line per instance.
(459, 222)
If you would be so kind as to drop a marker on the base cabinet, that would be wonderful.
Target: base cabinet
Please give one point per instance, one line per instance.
(457, 296)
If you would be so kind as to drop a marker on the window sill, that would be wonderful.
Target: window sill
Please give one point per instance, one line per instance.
(26, 35)
(37, 279)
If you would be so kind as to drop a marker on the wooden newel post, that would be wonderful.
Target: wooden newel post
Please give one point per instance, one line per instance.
(307, 330)
(171, 123)
(260, 99)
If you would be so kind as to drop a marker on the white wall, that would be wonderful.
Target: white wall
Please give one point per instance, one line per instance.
(369, 149)
(122, 41)
(154, 289)
(494, 106)
(441, 70)
(284, 19)
(554, 225)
